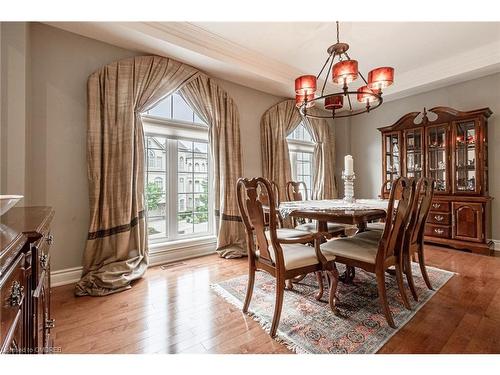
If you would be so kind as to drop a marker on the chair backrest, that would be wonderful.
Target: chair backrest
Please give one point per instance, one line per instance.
(397, 219)
(422, 200)
(275, 189)
(383, 188)
(293, 192)
(254, 218)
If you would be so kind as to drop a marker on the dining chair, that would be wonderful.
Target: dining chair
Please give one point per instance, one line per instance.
(293, 193)
(282, 258)
(414, 241)
(377, 256)
(380, 224)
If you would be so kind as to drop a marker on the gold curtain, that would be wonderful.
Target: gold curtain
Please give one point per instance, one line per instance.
(217, 109)
(116, 252)
(276, 124)
(324, 184)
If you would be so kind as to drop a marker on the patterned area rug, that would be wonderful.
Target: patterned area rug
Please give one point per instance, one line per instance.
(309, 326)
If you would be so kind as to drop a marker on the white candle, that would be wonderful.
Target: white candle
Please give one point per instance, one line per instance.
(348, 165)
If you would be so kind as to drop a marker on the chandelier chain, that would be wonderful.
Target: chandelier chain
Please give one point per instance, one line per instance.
(338, 36)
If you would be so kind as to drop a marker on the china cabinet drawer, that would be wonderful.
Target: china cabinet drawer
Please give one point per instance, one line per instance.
(437, 231)
(440, 206)
(439, 218)
(12, 296)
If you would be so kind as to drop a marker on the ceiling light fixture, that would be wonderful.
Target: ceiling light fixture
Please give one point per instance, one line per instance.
(343, 72)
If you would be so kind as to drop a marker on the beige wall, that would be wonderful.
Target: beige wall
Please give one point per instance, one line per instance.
(14, 119)
(61, 63)
(365, 139)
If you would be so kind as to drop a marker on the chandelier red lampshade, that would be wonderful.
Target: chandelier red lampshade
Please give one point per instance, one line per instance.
(381, 78)
(305, 85)
(334, 102)
(344, 71)
(366, 95)
(300, 99)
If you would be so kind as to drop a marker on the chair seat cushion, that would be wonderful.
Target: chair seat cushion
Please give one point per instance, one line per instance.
(376, 226)
(362, 247)
(286, 233)
(298, 256)
(311, 227)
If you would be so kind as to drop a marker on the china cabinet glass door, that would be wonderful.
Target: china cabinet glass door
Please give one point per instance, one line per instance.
(465, 157)
(414, 157)
(437, 156)
(392, 160)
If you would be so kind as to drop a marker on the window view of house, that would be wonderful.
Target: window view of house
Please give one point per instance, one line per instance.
(301, 148)
(177, 183)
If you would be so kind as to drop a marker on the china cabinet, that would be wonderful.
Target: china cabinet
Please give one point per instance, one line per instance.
(451, 147)
(25, 314)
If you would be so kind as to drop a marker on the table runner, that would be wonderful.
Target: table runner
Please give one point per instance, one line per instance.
(286, 208)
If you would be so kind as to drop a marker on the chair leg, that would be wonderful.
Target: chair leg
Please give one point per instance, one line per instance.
(319, 278)
(333, 275)
(421, 262)
(401, 287)
(280, 291)
(382, 295)
(251, 281)
(409, 276)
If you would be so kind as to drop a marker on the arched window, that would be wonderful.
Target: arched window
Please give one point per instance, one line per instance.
(182, 204)
(174, 107)
(301, 148)
(196, 167)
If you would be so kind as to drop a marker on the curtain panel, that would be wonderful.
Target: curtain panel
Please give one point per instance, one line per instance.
(116, 252)
(324, 183)
(276, 124)
(215, 107)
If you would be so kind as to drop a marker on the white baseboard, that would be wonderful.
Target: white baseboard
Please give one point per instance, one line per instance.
(497, 244)
(159, 255)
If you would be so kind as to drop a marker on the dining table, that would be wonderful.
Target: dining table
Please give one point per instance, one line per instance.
(358, 213)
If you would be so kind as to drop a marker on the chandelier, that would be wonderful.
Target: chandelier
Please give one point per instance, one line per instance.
(344, 72)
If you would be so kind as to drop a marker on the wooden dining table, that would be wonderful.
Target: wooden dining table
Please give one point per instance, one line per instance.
(358, 213)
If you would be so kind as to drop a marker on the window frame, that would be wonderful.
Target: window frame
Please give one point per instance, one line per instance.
(174, 130)
(298, 145)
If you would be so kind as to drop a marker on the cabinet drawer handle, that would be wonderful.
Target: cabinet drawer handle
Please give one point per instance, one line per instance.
(436, 205)
(438, 231)
(50, 239)
(50, 323)
(16, 294)
(439, 218)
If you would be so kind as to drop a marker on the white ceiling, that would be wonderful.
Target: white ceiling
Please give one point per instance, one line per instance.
(268, 56)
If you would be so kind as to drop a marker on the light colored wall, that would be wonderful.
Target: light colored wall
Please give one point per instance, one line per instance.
(15, 62)
(61, 63)
(365, 139)
(251, 105)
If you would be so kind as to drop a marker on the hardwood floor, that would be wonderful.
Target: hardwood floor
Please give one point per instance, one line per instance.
(173, 310)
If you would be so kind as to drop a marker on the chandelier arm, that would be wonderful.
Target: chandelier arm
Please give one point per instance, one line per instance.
(349, 100)
(326, 62)
(360, 74)
(326, 79)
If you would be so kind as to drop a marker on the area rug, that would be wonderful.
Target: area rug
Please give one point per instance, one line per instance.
(309, 326)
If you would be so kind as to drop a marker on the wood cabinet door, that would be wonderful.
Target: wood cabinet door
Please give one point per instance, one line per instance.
(437, 156)
(467, 221)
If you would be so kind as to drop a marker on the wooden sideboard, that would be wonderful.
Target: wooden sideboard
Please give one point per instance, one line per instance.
(25, 315)
(452, 148)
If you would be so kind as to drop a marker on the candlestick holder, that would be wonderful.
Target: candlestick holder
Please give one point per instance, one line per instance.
(348, 186)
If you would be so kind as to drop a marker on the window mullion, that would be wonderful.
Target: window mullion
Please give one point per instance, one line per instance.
(172, 184)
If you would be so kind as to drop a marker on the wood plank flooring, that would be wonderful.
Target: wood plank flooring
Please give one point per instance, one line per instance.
(173, 310)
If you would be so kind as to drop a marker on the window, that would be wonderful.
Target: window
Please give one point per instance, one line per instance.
(176, 140)
(301, 147)
(173, 107)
